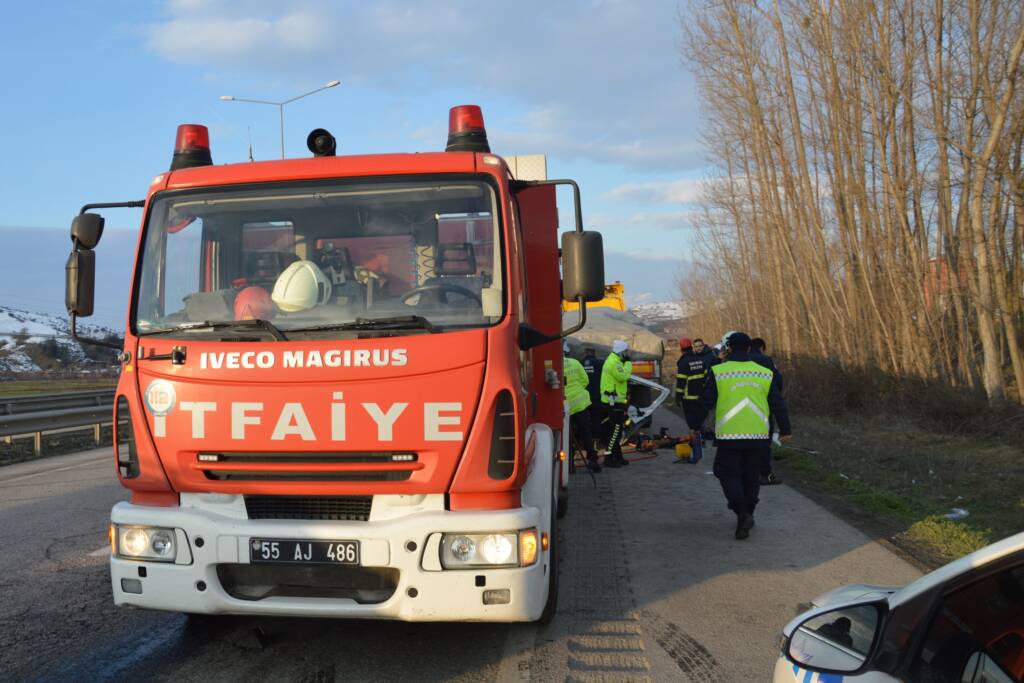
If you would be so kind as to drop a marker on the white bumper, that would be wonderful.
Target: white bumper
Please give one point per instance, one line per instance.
(423, 591)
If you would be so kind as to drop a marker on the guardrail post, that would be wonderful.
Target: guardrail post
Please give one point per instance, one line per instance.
(37, 443)
(96, 433)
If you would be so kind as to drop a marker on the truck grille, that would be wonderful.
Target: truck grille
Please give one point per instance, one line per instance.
(316, 466)
(365, 585)
(336, 508)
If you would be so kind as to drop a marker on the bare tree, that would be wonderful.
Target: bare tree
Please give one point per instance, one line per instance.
(868, 200)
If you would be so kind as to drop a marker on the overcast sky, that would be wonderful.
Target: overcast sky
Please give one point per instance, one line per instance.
(93, 93)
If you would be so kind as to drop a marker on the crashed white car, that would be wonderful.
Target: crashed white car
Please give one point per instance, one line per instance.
(962, 623)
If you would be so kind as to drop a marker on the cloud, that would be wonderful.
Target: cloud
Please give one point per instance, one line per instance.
(671, 220)
(588, 79)
(194, 39)
(646, 255)
(682, 191)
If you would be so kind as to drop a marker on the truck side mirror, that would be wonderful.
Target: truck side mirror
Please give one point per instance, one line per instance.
(582, 266)
(80, 282)
(86, 230)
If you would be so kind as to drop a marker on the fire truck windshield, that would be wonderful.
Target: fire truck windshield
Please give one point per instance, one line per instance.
(322, 259)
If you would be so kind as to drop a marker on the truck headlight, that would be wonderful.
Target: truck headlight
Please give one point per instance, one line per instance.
(146, 543)
(496, 549)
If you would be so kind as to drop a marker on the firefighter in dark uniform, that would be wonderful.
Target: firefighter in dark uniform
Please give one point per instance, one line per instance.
(592, 366)
(691, 373)
(742, 394)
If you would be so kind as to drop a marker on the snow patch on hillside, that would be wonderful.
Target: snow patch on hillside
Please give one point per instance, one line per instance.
(659, 311)
(19, 329)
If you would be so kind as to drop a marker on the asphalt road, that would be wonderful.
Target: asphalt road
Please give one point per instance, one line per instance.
(653, 587)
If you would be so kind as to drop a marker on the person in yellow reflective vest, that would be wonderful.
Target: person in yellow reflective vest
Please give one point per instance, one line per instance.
(615, 398)
(578, 398)
(742, 394)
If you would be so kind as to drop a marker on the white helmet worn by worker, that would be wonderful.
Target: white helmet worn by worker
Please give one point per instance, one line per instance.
(725, 337)
(301, 286)
(619, 346)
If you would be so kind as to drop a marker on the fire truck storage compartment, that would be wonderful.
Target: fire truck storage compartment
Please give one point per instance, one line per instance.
(364, 585)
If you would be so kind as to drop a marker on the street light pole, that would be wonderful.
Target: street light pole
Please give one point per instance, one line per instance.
(280, 105)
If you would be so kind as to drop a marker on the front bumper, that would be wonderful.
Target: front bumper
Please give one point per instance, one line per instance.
(406, 543)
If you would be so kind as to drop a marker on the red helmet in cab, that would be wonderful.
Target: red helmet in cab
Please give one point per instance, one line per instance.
(253, 302)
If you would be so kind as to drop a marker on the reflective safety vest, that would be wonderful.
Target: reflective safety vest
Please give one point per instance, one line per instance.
(614, 377)
(742, 408)
(576, 381)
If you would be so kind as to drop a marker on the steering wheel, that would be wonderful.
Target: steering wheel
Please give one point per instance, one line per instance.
(454, 289)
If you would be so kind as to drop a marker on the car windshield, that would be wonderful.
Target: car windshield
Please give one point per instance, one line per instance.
(317, 259)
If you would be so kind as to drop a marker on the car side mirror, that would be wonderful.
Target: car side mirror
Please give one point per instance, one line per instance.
(86, 230)
(838, 640)
(582, 266)
(80, 282)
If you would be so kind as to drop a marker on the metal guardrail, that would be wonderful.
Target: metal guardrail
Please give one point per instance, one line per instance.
(37, 414)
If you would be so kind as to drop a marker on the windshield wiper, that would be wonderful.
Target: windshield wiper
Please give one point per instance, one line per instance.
(395, 322)
(221, 325)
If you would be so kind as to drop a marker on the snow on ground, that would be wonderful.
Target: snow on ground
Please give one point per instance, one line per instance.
(19, 327)
(659, 311)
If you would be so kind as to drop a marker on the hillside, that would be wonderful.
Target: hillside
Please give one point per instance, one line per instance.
(35, 342)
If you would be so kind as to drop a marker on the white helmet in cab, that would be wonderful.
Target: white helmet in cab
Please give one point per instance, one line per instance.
(301, 286)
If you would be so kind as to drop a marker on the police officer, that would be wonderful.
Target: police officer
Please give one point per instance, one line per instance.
(593, 368)
(757, 354)
(742, 393)
(691, 373)
(614, 396)
(578, 397)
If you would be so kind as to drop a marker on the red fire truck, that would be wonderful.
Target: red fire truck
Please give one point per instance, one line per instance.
(340, 387)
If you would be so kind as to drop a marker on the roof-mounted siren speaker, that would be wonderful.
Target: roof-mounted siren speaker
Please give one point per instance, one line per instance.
(192, 147)
(466, 132)
(321, 143)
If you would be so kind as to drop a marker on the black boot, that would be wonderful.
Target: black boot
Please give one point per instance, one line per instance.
(593, 464)
(744, 522)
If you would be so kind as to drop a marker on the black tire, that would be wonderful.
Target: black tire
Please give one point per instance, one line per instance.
(551, 606)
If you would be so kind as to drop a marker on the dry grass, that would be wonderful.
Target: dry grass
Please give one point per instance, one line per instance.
(23, 387)
(910, 451)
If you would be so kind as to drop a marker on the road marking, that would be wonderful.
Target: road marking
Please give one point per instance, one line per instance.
(59, 469)
(100, 552)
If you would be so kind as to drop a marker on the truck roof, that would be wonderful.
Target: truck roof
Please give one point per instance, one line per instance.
(320, 167)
